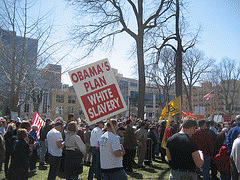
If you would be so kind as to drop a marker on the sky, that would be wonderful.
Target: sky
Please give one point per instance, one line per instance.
(219, 34)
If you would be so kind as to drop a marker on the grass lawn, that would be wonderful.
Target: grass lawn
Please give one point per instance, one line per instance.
(158, 170)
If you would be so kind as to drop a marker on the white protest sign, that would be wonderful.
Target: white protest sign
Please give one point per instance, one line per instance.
(97, 91)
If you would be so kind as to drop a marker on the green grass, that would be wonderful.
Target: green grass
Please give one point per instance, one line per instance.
(158, 170)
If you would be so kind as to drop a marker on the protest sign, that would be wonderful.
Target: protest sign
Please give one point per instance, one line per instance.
(97, 91)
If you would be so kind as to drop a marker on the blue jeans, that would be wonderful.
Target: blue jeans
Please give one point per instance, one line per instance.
(95, 167)
(115, 175)
(178, 175)
(43, 150)
(206, 168)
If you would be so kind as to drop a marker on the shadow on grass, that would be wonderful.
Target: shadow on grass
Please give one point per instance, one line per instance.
(160, 161)
(135, 175)
(163, 174)
(149, 169)
(31, 174)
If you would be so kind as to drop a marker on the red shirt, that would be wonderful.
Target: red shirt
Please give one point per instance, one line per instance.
(222, 161)
(205, 142)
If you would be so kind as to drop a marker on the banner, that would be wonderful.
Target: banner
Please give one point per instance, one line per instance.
(164, 141)
(97, 90)
(174, 107)
(37, 120)
(194, 116)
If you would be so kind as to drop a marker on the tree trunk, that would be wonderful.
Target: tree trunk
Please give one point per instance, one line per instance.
(190, 108)
(141, 75)
(178, 68)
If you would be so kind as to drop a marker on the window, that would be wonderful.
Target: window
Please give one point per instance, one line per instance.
(71, 109)
(45, 108)
(149, 100)
(26, 107)
(59, 110)
(133, 84)
(45, 103)
(159, 99)
(134, 98)
(123, 85)
(72, 99)
(60, 98)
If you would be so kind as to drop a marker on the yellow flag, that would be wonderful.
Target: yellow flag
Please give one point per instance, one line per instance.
(212, 113)
(174, 107)
(164, 142)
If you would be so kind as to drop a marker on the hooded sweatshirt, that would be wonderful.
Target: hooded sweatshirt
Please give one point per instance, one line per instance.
(222, 161)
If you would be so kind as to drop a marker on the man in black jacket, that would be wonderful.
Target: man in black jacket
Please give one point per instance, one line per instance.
(43, 136)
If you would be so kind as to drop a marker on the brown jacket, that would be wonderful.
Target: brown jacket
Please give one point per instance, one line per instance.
(130, 141)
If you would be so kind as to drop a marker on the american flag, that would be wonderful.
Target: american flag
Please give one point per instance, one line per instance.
(37, 120)
(209, 95)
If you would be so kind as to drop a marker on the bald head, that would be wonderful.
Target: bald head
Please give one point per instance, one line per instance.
(238, 119)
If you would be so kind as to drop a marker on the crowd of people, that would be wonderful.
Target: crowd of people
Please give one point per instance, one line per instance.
(194, 149)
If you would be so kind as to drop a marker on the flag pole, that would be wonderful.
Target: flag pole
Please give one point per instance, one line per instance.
(212, 111)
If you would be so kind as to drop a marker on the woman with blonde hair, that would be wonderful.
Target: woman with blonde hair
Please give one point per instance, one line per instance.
(75, 150)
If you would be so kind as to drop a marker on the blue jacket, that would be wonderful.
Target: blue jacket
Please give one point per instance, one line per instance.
(34, 135)
(232, 135)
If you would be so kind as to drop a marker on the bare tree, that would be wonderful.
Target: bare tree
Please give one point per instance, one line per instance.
(42, 82)
(100, 21)
(226, 78)
(23, 41)
(162, 75)
(195, 65)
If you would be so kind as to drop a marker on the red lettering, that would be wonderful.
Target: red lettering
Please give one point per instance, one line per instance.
(96, 83)
(92, 71)
(80, 75)
(86, 85)
(74, 77)
(102, 80)
(107, 66)
(85, 74)
(99, 69)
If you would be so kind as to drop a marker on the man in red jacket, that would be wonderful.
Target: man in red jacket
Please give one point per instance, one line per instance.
(205, 143)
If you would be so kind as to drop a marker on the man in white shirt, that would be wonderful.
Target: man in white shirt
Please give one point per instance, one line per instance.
(95, 167)
(55, 145)
(235, 158)
(111, 154)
